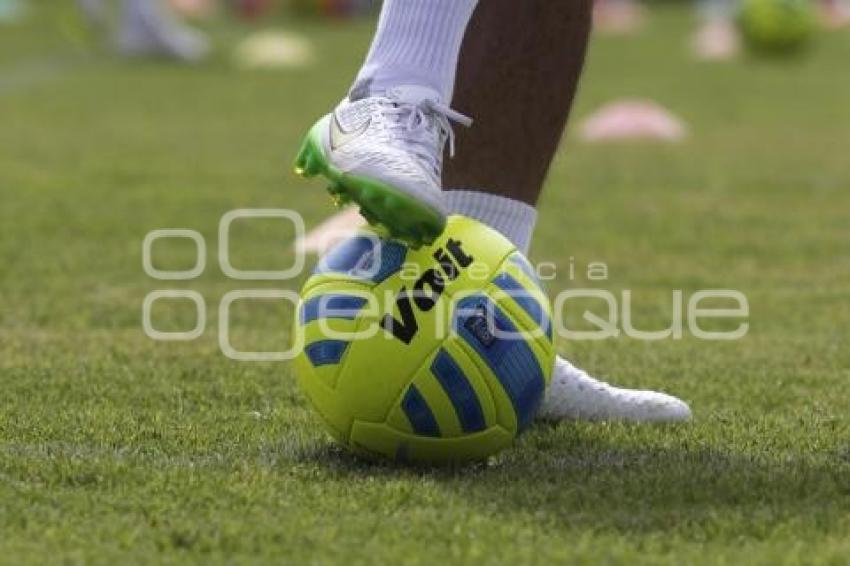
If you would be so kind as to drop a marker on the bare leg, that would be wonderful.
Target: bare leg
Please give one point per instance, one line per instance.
(519, 68)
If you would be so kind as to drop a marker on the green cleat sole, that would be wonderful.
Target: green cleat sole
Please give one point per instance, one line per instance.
(382, 205)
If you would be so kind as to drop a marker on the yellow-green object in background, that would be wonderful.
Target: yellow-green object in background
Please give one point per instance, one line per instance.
(777, 26)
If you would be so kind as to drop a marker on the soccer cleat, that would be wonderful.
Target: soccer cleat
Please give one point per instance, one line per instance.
(574, 395)
(385, 153)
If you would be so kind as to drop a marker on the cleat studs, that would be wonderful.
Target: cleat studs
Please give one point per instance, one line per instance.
(301, 164)
(367, 214)
(307, 163)
(338, 194)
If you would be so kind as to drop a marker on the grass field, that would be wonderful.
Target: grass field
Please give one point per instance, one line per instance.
(115, 447)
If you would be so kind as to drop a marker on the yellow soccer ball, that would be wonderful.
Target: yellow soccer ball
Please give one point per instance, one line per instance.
(437, 354)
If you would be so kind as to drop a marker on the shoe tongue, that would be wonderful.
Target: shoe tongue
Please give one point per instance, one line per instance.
(413, 94)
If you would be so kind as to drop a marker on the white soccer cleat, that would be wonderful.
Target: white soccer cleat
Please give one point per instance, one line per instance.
(574, 395)
(385, 153)
(149, 29)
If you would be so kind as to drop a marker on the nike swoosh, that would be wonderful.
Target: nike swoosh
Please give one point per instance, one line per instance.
(340, 137)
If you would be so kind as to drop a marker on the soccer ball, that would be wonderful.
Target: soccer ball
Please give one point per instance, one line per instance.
(777, 26)
(437, 354)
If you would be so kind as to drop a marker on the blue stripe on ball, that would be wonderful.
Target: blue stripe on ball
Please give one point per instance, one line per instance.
(509, 357)
(325, 352)
(460, 392)
(524, 299)
(331, 306)
(356, 256)
(519, 260)
(419, 413)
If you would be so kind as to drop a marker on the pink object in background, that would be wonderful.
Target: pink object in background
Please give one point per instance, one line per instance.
(253, 9)
(632, 120)
(717, 40)
(194, 8)
(618, 17)
(835, 14)
(338, 227)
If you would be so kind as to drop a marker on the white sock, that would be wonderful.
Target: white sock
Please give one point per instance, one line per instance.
(572, 394)
(514, 219)
(417, 43)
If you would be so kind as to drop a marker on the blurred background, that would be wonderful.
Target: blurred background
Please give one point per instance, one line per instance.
(702, 126)
(708, 149)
